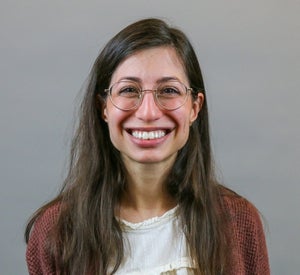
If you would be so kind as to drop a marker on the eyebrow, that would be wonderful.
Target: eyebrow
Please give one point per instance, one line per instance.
(168, 78)
(160, 80)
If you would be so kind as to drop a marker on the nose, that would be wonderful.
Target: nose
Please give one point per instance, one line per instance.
(148, 110)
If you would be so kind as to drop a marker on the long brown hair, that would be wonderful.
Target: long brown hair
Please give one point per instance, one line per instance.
(87, 237)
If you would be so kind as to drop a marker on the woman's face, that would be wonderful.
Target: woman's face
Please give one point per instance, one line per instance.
(150, 134)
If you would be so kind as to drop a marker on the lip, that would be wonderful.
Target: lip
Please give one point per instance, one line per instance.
(148, 137)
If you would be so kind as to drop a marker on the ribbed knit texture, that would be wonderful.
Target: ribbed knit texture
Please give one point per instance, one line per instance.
(39, 260)
(249, 252)
(246, 235)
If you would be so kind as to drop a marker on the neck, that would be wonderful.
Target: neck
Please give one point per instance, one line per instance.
(146, 195)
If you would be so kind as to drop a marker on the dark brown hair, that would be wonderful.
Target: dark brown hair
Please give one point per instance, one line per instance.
(87, 237)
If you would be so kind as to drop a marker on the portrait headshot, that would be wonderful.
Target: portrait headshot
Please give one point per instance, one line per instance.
(139, 139)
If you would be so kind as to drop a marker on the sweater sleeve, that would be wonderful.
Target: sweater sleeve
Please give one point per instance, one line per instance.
(38, 257)
(248, 238)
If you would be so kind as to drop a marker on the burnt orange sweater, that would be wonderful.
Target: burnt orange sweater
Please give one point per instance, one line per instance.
(248, 254)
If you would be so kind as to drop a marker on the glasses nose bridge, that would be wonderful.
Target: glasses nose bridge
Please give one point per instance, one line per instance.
(143, 92)
(147, 91)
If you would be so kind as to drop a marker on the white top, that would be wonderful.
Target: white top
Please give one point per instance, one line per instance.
(155, 246)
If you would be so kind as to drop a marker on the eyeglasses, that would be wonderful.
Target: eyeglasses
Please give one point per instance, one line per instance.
(128, 95)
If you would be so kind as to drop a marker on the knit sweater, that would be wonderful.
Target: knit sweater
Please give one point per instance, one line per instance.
(248, 246)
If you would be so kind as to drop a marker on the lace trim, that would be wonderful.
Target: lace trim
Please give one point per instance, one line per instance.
(183, 263)
(149, 223)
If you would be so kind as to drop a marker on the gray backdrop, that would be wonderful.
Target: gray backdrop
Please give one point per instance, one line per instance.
(249, 52)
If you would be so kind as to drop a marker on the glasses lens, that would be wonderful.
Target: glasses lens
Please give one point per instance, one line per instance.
(171, 95)
(125, 95)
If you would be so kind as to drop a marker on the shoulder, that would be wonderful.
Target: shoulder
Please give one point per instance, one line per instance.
(47, 218)
(38, 256)
(239, 209)
(242, 216)
(245, 234)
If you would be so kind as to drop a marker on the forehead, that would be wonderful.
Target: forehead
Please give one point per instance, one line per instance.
(150, 65)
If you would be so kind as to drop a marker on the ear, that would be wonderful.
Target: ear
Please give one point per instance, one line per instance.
(196, 107)
(102, 106)
(104, 112)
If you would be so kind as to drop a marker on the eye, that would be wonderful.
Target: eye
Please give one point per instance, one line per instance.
(169, 91)
(128, 91)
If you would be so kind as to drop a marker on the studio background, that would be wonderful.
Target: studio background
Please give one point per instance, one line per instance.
(250, 57)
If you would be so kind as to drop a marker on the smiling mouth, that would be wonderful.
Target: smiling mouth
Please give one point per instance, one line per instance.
(148, 135)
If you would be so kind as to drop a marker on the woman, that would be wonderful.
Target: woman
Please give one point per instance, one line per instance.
(141, 195)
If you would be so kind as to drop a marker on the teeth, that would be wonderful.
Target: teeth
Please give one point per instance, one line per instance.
(148, 135)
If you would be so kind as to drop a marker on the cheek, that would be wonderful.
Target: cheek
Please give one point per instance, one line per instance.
(111, 119)
(184, 120)
(111, 115)
(113, 124)
(114, 133)
(187, 129)
(115, 119)
(184, 126)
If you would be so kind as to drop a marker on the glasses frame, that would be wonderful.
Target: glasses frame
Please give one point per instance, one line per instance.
(142, 92)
